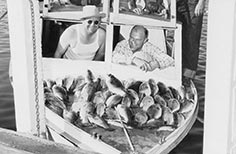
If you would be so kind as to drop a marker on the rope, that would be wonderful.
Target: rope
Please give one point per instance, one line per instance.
(2, 15)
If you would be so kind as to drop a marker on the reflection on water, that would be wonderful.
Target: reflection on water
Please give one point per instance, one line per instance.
(7, 114)
(192, 143)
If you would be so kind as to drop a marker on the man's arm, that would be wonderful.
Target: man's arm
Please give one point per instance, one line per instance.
(100, 54)
(67, 37)
(60, 50)
(160, 59)
(121, 53)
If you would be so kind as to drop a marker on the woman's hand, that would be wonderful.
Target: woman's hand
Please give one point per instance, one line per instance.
(199, 9)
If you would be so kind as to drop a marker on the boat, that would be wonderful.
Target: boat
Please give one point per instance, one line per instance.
(40, 66)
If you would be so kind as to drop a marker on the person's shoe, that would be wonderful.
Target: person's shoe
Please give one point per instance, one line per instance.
(186, 81)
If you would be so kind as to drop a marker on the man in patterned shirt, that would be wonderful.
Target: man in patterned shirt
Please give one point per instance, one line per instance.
(140, 52)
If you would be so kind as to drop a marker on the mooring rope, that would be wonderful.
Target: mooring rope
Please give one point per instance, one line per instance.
(3, 13)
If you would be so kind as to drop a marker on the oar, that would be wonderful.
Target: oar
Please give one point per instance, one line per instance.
(125, 130)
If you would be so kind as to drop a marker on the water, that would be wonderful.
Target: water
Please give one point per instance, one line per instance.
(192, 143)
(7, 113)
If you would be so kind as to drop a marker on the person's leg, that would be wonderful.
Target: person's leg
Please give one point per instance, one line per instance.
(184, 16)
(194, 37)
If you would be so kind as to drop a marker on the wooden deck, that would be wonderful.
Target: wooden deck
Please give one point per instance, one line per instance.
(18, 143)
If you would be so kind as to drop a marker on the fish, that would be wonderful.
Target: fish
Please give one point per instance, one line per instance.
(79, 83)
(118, 124)
(125, 112)
(173, 104)
(98, 98)
(153, 123)
(107, 94)
(167, 94)
(67, 82)
(56, 109)
(170, 128)
(167, 116)
(45, 84)
(58, 81)
(47, 90)
(126, 101)
(49, 83)
(175, 93)
(154, 111)
(100, 109)
(135, 86)
(126, 83)
(69, 116)
(86, 109)
(115, 85)
(141, 117)
(146, 102)
(99, 121)
(53, 100)
(97, 84)
(144, 89)
(90, 77)
(111, 113)
(88, 91)
(179, 119)
(76, 106)
(113, 100)
(103, 84)
(134, 97)
(159, 100)
(162, 88)
(116, 82)
(153, 86)
(187, 106)
(77, 98)
(60, 92)
(182, 92)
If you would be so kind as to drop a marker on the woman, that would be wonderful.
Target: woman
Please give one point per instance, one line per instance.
(84, 41)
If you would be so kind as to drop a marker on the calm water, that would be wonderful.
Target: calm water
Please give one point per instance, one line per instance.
(192, 143)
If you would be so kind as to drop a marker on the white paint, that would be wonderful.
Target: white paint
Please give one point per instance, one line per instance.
(219, 75)
(21, 45)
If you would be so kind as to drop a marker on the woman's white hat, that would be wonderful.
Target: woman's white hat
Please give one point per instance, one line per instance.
(91, 11)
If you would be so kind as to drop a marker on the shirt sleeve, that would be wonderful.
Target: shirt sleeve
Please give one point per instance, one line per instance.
(121, 53)
(158, 55)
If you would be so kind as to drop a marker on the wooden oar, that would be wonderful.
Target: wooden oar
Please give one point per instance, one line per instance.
(125, 130)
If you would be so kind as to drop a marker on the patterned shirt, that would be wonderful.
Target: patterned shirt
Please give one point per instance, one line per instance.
(124, 55)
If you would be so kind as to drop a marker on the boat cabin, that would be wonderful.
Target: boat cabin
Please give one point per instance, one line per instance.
(41, 108)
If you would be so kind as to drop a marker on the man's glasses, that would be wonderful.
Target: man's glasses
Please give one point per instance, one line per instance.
(95, 22)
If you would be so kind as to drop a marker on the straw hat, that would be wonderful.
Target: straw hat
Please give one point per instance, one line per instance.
(91, 11)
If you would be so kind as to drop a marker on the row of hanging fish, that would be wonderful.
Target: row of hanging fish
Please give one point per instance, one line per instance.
(86, 101)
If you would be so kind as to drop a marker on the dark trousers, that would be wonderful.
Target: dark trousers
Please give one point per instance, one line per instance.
(191, 33)
(195, 34)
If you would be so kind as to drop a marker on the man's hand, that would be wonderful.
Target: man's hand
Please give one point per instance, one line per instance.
(142, 64)
(145, 67)
(137, 61)
(138, 11)
(153, 65)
